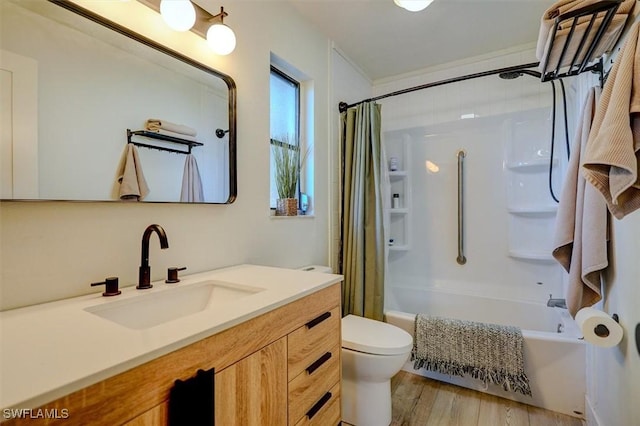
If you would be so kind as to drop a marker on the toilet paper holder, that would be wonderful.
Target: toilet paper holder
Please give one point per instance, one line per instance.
(601, 330)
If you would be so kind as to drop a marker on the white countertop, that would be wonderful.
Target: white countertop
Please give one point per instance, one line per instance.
(50, 350)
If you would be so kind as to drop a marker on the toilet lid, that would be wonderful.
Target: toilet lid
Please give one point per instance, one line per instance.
(374, 337)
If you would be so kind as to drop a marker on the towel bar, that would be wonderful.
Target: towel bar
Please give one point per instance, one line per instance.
(579, 63)
(159, 136)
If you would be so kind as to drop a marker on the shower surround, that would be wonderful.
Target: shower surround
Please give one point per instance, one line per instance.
(508, 217)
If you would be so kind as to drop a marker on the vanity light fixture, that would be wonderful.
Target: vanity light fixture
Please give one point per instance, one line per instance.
(413, 5)
(185, 15)
(179, 15)
(220, 37)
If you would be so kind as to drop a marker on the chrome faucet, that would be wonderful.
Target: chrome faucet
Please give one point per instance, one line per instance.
(556, 303)
(144, 277)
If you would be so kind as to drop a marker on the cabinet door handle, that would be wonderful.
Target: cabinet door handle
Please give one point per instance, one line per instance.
(318, 320)
(316, 364)
(318, 405)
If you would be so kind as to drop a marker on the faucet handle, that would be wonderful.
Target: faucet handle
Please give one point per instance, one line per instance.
(111, 284)
(172, 275)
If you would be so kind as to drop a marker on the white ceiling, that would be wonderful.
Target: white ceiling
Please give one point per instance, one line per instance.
(385, 40)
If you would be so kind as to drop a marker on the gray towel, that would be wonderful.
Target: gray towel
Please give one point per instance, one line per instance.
(488, 352)
(191, 182)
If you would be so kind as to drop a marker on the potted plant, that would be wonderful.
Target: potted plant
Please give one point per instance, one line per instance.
(288, 161)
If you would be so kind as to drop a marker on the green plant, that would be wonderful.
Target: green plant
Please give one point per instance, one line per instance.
(288, 162)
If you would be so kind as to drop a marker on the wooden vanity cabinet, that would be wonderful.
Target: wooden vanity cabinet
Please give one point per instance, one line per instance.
(280, 368)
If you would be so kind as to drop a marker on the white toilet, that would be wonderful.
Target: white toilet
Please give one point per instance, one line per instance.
(372, 353)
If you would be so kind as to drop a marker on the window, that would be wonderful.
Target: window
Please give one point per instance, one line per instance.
(285, 120)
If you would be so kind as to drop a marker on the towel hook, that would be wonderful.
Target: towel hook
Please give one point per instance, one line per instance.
(220, 133)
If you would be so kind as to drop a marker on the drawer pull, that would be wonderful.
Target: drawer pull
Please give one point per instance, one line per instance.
(318, 405)
(316, 364)
(318, 320)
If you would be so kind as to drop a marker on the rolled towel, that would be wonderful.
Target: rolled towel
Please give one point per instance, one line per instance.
(561, 7)
(606, 43)
(133, 185)
(156, 123)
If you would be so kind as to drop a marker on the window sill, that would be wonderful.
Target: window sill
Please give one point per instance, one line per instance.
(300, 216)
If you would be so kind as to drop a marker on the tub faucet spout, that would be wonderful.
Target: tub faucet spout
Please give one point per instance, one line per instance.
(556, 303)
(144, 276)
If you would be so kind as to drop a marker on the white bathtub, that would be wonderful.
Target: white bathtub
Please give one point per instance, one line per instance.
(554, 355)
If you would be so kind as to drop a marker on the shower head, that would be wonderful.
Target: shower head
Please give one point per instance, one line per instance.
(510, 75)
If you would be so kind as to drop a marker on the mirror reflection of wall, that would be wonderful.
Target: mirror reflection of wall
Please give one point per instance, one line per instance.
(90, 90)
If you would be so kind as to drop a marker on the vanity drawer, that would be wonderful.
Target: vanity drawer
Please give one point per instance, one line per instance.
(327, 413)
(307, 343)
(309, 386)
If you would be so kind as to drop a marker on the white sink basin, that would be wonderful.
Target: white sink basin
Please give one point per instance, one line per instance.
(149, 310)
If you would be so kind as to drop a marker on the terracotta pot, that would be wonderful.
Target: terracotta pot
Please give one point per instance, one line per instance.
(287, 207)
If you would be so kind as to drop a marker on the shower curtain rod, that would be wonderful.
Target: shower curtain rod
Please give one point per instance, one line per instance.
(343, 106)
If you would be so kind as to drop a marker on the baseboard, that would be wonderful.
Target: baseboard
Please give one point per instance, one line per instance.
(591, 416)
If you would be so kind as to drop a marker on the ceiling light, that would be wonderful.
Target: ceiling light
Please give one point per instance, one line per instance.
(413, 5)
(179, 15)
(221, 38)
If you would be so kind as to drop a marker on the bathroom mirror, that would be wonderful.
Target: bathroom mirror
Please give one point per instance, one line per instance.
(78, 83)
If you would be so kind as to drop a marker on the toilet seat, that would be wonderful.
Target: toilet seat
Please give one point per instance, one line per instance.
(374, 337)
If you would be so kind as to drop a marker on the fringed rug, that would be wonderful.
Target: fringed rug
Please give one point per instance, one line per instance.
(488, 352)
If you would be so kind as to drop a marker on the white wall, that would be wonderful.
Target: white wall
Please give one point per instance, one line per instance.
(613, 374)
(53, 250)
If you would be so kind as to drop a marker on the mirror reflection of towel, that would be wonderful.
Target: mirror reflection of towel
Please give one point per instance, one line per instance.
(133, 186)
(156, 124)
(191, 182)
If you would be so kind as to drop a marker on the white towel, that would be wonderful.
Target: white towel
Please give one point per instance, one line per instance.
(562, 7)
(612, 155)
(156, 123)
(191, 182)
(581, 235)
(133, 186)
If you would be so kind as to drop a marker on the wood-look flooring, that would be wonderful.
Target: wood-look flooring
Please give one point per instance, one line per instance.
(422, 401)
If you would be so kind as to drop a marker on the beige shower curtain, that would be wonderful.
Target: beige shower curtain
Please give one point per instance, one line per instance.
(363, 243)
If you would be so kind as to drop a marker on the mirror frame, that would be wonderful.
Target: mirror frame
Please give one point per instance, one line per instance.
(233, 179)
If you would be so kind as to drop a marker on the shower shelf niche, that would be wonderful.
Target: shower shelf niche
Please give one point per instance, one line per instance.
(531, 211)
(400, 183)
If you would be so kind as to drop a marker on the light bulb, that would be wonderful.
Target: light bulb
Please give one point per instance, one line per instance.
(179, 15)
(221, 39)
(413, 5)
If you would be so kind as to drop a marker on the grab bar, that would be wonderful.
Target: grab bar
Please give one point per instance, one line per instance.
(461, 259)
